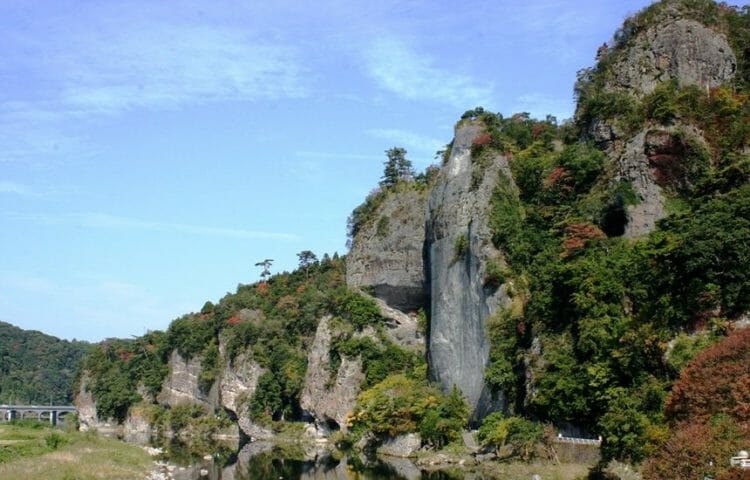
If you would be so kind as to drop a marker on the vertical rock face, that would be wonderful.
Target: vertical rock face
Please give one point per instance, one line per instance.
(386, 255)
(680, 49)
(654, 161)
(460, 302)
(634, 167)
(325, 400)
(85, 406)
(181, 385)
(237, 385)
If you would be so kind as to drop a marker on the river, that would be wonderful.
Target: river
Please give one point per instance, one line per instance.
(261, 461)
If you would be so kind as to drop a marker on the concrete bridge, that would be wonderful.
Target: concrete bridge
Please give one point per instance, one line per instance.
(51, 413)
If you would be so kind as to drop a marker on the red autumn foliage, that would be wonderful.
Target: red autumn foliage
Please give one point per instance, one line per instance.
(482, 140)
(125, 355)
(234, 320)
(262, 288)
(521, 328)
(709, 408)
(538, 129)
(301, 289)
(735, 474)
(716, 381)
(559, 179)
(578, 235)
(697, 449)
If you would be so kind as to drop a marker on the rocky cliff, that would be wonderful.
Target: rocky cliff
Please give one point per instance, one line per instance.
(544, 306)
(181, 384)
(238, 383)
(329, 397)
(674, 48)
(386, 254)
(670, 49)
(458, 249)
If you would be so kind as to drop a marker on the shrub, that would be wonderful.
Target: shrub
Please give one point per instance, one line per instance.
(460, 246)
(399, 405)
(54, 440)
(523, 435)
(493, 275)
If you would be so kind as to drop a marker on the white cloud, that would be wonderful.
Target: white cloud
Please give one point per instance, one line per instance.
(411, 75)
(106, 221)
(101, 60)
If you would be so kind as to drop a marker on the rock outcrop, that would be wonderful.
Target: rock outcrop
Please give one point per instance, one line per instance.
(457, 251)
(329, 400)
(402, 329)
(88, 419)
(402, 446)
(680, 49)
(655, 162)
(634, 167)
(386, 254)
(181, 385)
(236, 386)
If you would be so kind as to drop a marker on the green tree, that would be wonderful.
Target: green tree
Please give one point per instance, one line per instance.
(306, 258)
(397, 168)
(266, 266)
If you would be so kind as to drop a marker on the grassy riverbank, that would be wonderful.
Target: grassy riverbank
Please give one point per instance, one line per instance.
(29, 450)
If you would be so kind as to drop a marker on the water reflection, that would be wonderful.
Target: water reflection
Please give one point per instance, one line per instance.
(260, 460)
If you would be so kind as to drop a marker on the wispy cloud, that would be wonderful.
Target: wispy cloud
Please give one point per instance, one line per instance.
(14, 188)
(108, 60)
(409, 74)
(106, 221)
(409, 140)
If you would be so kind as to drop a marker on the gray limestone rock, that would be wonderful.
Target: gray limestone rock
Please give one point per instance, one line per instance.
(402, 329)
(634, 167)
(680, 49)
(88, 419)
(458, 348)
(237, 384)
(386, 254)
(402, 446)
(325, 400)
(653, 161)
(181, 385)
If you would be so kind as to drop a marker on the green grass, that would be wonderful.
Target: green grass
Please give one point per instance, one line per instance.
(38, 451)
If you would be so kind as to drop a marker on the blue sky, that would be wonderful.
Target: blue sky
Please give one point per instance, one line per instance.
(152, 152)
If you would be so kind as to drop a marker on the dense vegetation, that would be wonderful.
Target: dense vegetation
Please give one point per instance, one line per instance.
(273, 322)
(600, 323)
(36, 368)
(709, 414)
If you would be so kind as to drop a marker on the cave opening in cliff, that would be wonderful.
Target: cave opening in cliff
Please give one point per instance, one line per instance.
(614, 217)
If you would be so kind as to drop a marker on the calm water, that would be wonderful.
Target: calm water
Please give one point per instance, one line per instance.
(261, 461)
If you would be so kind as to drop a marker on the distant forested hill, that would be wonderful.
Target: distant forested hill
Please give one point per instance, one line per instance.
(37, 368)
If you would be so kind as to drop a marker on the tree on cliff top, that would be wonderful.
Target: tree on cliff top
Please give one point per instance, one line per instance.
(397, 167)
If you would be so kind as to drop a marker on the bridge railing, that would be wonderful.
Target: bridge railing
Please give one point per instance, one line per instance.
(579, 441)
